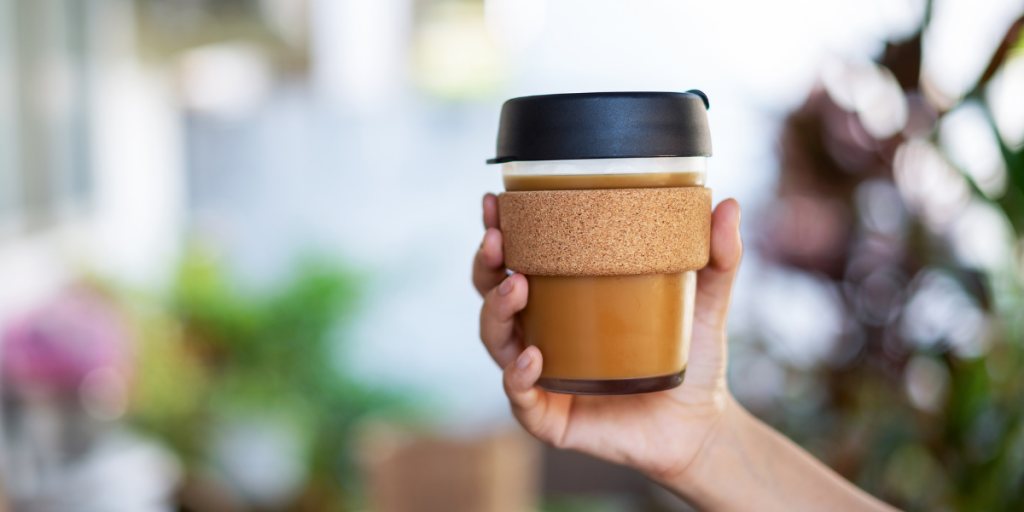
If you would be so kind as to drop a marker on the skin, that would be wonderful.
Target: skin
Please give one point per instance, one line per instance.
(694, 440)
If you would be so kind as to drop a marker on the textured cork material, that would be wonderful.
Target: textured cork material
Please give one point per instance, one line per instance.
(606, 232)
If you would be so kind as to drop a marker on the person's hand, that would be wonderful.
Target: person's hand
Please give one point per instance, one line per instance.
(660, 434)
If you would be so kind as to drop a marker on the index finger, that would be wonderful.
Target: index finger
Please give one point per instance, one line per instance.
(491, 211)
(489, 264)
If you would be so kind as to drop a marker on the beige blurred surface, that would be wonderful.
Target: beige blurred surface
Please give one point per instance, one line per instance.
(407, 472)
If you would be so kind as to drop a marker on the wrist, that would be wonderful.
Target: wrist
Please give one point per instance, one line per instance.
(719, 458)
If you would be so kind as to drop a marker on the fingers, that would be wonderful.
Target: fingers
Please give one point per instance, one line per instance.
(498, 328)
(714, 282)
(520, 377)
(489, 264)
(490, 211)
(543, 414)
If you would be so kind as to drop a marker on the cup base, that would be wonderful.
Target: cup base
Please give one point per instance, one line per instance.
(611, 386)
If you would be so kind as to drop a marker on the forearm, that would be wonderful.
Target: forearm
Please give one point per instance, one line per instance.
(745, 464)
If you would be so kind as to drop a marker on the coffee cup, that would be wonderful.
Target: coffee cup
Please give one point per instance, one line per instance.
(606, 214)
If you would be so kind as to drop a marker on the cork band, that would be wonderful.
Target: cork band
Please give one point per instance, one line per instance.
(606, 232)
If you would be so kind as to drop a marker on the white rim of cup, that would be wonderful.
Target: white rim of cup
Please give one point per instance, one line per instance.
(681, 164)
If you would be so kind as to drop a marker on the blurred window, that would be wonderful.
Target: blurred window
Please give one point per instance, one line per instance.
(44, 71)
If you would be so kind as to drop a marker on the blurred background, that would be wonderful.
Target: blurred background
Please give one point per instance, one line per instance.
(236, 236)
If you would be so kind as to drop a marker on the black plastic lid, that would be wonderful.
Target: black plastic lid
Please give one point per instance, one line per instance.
(604, 125)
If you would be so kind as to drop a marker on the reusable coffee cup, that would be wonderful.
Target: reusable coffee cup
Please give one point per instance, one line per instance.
(606, 214)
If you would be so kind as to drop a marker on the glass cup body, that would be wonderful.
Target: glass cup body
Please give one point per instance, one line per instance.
(609, 334)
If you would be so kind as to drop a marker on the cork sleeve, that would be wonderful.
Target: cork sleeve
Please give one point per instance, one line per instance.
(606, 232)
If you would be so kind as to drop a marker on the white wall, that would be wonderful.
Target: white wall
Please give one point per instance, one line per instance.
(130, 227)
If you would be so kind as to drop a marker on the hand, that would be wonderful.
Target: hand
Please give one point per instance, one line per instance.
(660, 434)
(695, 440)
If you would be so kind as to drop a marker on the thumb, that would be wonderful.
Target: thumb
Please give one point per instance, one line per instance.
(708, 349)
(714, 282)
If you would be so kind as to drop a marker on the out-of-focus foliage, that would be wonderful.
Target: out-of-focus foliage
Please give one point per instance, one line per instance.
(216, 353)
(922, 400)
(167, 26)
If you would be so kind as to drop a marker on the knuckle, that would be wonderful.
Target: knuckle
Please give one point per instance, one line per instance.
(490, 304)
(508, 390)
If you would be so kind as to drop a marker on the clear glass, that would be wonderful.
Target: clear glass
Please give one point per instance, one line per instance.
(609, 334)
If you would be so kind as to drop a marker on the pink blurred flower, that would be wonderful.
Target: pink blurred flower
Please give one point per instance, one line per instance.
(57, 345)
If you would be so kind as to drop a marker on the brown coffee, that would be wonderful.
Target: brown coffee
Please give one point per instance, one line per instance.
(609, 334)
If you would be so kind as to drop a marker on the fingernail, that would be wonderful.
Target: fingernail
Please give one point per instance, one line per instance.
(524, 360)
(505, 286)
